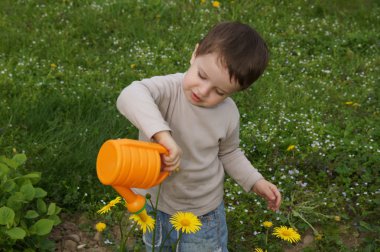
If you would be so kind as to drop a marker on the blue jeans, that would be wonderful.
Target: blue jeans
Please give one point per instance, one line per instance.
(212, 236)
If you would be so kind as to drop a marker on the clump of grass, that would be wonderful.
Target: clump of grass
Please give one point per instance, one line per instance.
(63, 63)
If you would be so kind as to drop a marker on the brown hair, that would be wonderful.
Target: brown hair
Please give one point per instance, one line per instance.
(240, 48)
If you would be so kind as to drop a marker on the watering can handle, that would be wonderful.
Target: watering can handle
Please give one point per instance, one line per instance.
(161, 149)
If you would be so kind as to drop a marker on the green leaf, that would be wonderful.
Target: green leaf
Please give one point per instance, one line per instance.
(19, 159)
(58, 210)
(33, 175)
(366, 225)
(377, 200)
(42, 227)
(9, 162)
(40, 193)
(15, 201)
(348, 131)
(56, 219)
(46, 245)
(31, 214)
(343, 170)
(51, 209)
(9, 186)
(28, 191)
(16, 233)
(7, 216)
(3, 169)
(41, 206)
(28, 250)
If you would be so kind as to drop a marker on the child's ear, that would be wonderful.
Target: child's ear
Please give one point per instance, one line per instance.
(193, 55)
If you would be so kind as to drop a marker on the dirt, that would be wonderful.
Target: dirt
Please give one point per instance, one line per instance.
(77, 233)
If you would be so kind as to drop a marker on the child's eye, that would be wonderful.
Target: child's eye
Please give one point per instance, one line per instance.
(219, 92)
(201, 76)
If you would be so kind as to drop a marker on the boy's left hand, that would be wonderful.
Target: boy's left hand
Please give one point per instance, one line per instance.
(269, 192)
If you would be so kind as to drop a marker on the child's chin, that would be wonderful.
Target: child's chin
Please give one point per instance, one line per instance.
(197, 104)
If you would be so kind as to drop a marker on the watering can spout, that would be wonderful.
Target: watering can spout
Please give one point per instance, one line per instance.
(126, 164)
(135, 202)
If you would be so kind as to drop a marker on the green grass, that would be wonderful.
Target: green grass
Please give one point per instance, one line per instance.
(323, 54)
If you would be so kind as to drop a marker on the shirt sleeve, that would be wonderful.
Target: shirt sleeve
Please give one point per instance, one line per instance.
(234, 161)
(139, 103)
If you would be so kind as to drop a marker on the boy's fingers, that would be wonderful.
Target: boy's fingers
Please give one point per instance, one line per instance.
(175, 163)
(172, 164)
(276, 194)
(276, 204)
(278, 198)
(171, 158)
(275, 198)
(170, 168)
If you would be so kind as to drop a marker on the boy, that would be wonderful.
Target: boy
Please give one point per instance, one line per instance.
(192, 115)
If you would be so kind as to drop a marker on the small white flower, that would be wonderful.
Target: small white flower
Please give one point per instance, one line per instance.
(107, 241)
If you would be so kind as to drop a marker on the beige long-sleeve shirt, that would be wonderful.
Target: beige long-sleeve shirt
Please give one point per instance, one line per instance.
(208, 137)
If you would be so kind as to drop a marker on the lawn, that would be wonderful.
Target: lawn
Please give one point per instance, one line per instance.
(310, 124)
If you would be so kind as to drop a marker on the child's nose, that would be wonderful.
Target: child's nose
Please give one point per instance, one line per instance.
(204, 90)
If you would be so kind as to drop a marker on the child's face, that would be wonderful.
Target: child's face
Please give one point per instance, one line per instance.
(207, 82)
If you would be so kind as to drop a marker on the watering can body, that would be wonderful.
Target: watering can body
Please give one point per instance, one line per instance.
(125, 164)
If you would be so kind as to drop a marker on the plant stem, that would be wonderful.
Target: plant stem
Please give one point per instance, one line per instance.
(151, 203)
(155, 217)
(125, 239)
(167, 236)
(179, 238)
(121, 231)
(295, 213)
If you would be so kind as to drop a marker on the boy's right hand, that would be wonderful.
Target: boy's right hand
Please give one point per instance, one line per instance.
(173, 159)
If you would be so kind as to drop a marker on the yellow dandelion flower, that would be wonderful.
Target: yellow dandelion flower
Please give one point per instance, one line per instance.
(100, 226)
(337, 218)
(145, 221)
(267, 224)
(287, 234)
(108, 207)
(203, 1)
(291, 147)
(353, 104)
(216, 4)
(105, 209)
(115, 201)
(318, 237)
(260, 250)
(186, 222)
(53, 66)
(133, 66)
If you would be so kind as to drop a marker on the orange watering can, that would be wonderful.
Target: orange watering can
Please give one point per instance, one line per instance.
(125, 164)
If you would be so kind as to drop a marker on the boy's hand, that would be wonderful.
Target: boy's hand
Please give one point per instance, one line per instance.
(173, 159)
(269, 192)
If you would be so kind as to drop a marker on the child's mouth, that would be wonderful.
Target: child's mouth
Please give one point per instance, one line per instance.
(195, 97)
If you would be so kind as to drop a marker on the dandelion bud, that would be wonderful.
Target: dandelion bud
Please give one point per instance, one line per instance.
(100, 226)
(267, 224)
